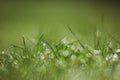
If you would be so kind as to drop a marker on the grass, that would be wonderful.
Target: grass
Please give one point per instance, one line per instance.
(67, 59)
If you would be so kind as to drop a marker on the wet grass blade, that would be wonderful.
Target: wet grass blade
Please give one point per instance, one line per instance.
(79, 40)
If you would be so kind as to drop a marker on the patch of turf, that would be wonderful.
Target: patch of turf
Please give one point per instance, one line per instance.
(65, 60)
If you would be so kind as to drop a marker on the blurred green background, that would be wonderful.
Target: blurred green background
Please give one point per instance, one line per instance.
(52, 18)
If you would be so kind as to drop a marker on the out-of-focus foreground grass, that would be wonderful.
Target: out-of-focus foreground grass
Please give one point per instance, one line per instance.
(31, 19)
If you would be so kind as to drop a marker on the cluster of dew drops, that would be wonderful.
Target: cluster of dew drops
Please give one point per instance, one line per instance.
(70, 52)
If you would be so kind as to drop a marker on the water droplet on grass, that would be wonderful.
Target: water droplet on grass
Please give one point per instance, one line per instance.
(15, 64)
(66, 53)
(115, 57)
(97, 51)
(44, 44)
(38, 52)
(42, 57)
(61, 62)
(47, 51)
(108, 57)
(118, 51)
(73, 57)
(65, 41)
